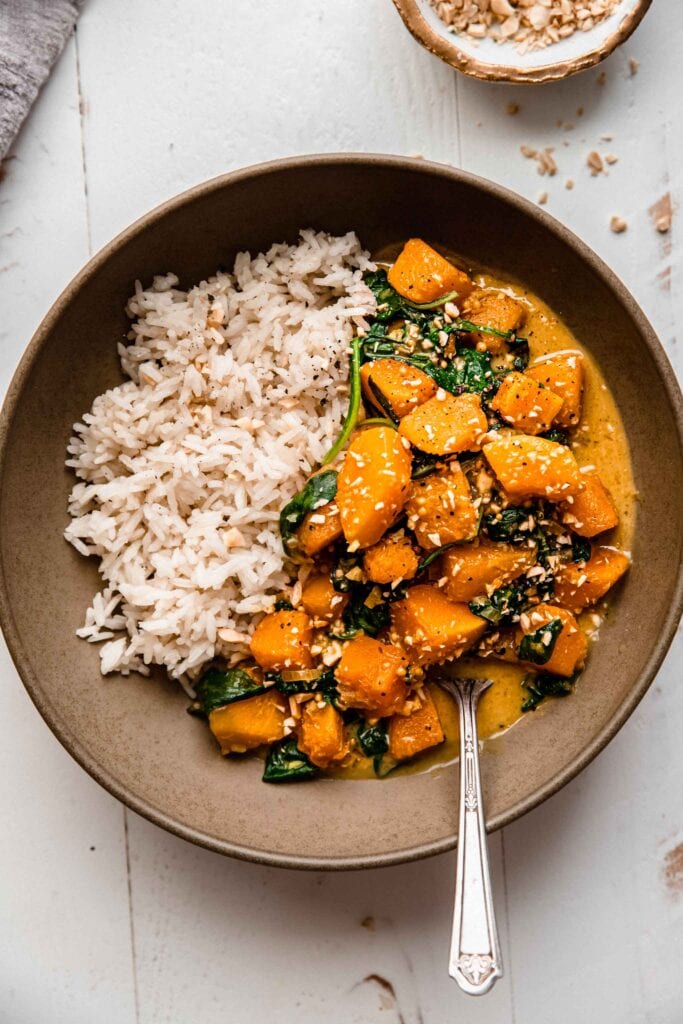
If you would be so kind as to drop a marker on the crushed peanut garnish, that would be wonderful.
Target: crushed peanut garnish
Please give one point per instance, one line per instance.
(529, 24)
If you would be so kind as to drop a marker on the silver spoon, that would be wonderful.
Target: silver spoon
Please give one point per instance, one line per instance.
(475, 960)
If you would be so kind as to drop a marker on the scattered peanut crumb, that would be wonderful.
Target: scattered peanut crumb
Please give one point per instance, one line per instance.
(543, 198)
(610, 158)
(594, 161)
(512, 109)
(602, 78)
(633, 66)
(663, 224)
(618, 225)
(569, 184)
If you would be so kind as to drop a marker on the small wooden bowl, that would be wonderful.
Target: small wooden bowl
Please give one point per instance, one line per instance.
(132, 734)
(500, 62)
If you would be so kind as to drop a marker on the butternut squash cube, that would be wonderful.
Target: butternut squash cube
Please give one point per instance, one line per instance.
(250, 723)
(492, 309)
(532, 467)
(403, 387)
(421, 274)
(526, 405)
(440, 508)
(571, 645)
(592, 511)
(432, 628)
(563, 375)
(471, 569)
(283, 640)
(321, 600)
(319, 529)
(321, 734)
(390, 560)
(578, 586)
(372, 676)
(411, 734)
(446, 424)
(373, 484)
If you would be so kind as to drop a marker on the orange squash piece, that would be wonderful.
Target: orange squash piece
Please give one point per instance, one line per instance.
(440, 508)
(283, 640)
(403, 387)
(373, 484)
(432, 628)
(577, 586)
(372, 676)
(592, 511)
(526, 405)
(571, 645)
(563, 375)
(472, 568)
(320, 600)
(421, 274)
(492, 309)
(319, 529)
(321, 734)
(390, 560)
(411, 734)
(532, 467)
(446, 424)
(249, 723)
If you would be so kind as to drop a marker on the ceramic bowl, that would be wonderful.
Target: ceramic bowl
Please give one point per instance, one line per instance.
(496, 62)
(132, 734)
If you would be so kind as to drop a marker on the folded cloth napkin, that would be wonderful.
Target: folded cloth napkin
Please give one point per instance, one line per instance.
(32, 35)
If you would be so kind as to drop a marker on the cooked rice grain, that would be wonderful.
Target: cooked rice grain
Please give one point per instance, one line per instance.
(232, 399)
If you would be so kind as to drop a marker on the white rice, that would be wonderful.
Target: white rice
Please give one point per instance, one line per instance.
(237, 389)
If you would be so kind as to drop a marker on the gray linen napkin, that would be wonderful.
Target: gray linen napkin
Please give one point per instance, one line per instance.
(32, 35)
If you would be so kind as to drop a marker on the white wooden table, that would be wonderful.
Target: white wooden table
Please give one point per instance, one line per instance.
(106, 918)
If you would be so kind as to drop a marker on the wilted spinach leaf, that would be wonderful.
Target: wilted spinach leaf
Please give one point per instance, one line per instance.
(389, 302)
(286, 763)
(373, 739)
(581, 549)
(284, 606)
(544, 685)
(505, 525)
(318, 491)
(218, 688)
(502, 606)
(358, 617)
(325, 683)
(537, 647)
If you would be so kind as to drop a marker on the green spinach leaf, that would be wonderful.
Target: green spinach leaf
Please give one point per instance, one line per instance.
(319, 490)
(286, 763)
(537, 647)
(581, 549)
(373, 739)
(544, 685)
(351, 417)
(218, 688)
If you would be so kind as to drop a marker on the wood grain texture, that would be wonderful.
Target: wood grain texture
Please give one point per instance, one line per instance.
(160, 95)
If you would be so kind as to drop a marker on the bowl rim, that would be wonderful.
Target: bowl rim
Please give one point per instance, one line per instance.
(32, 684)
(444, 46)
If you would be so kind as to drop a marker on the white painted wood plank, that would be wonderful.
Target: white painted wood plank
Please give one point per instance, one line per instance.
(177, 92)
(265, 944)
(65, 940)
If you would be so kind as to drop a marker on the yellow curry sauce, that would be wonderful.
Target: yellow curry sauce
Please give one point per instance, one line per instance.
(600, 441)
(328, 679)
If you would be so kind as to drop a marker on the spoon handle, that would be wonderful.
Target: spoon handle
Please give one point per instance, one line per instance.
(475, 959)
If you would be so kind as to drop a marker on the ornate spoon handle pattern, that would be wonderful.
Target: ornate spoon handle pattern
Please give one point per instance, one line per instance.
(475, 960)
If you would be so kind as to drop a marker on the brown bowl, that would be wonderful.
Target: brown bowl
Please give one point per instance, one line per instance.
(132, 734)
(495, 62)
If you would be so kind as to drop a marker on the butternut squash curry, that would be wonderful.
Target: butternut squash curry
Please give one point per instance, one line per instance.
(452, 524)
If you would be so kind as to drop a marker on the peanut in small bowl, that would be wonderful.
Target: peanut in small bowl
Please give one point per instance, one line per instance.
(541, 42)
